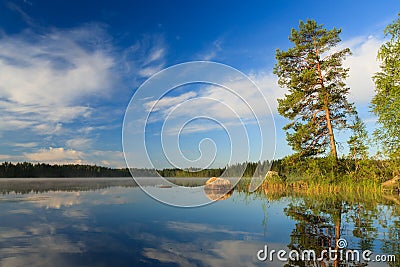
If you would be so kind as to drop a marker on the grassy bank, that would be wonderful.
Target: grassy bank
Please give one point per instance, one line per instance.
(331, 176)
(274, 188)
(323, 186)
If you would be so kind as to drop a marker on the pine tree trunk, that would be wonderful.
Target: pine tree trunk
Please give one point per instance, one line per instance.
(330, 130)
(326, 106)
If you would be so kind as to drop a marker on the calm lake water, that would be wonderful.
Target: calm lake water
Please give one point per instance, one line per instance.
(111, 222)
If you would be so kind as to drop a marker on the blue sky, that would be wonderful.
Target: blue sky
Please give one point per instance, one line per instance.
(69, 69)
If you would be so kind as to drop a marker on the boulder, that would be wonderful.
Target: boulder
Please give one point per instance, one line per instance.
(218, 182)
(218, 188)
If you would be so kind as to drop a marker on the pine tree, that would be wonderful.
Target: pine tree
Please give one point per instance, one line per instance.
(316, 104)
(386, 102)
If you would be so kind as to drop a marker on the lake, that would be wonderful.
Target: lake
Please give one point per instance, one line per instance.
(112, 222)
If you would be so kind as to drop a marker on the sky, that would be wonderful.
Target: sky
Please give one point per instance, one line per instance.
(69, 69)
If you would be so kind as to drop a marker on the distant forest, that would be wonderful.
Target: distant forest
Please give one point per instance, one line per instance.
(30, 170)
(27, 170)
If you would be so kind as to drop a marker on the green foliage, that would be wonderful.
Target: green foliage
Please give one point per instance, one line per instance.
(191, 173)
(328, 171)
(358, 153)
(317, 99)
(317, 170)
(27, 169)
(246, 169)
(358, 147)
(386, 102)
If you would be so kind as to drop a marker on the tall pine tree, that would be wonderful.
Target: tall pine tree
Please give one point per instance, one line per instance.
(316, 103)
(386, 102)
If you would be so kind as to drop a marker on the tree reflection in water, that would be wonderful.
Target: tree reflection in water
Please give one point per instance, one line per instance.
(320, 223)
(368, 221)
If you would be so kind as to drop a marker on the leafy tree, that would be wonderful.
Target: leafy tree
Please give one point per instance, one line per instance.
(358, 148)
(386, 102)
(317, 102)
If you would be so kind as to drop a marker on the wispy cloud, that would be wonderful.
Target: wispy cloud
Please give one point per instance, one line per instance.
(45, 79)
(55, 88)
(212, 52)
(168, 102)
(25, 145)
(145, 57)
(79, 143)
(230, 106)
(156, 54)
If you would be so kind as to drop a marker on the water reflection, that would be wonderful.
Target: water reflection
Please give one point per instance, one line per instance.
(218, 188)
(367, 224)
(318, 229)
(112, 222)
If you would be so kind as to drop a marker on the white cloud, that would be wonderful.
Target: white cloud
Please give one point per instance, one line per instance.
(60, 155)
(78, 155)
(54, 69)
(113, 159)
(155, 55)
(46, 78)
(79, 143)
(49, 87)
(221, 103)
(11, 158)
(56, 156)
(194, 127)
(363, 65)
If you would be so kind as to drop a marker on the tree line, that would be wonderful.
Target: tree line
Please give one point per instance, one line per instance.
(30, 170)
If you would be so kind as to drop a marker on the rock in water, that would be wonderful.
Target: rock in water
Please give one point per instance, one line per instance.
(218, 188)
